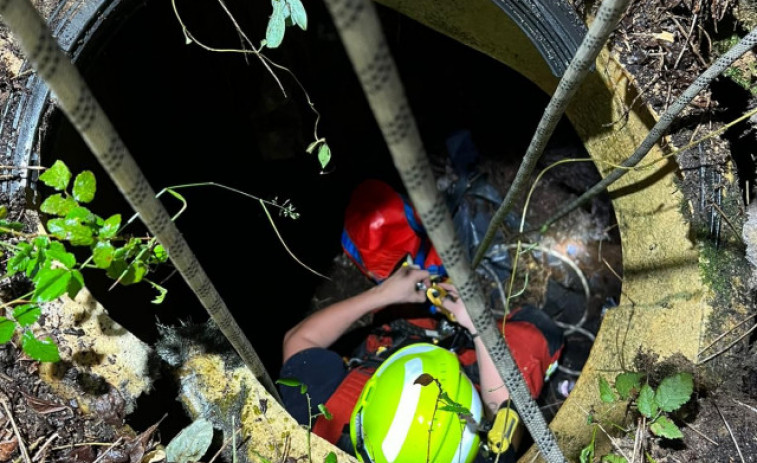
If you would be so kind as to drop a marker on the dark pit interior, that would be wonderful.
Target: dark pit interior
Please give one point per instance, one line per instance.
(189, 115)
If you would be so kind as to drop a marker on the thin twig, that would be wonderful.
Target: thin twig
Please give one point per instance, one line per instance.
(727, 220)
(44, 446)
(105, 452)
(728, 427)
(23, 167)
(606, 20)
(21, 444)
(690, 426)
(745, 405)
(662, 125)
(281, 240)
(728, 346)
(727, 332)
(225, 444)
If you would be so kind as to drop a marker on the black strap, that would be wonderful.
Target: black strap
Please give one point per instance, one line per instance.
(553, 26)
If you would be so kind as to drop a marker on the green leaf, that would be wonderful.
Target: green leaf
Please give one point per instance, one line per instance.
(137, 270)
(330, 458)
(612, 458)
(191, 443)
(103, 254)
(76, 284)
(57, 251)
(628, 384)
(3, 211)
(51, 284)
(262, 458)
(58, 205)
(645, 402)
(126, 274)
(57, 176)
(303, 388)
(19, 261)
(82, 215)
(110, 227)
(664, 427)
(7, 328)
(649, 458)
(44, 351)
(15, 226)
(326, 413)
(290, 382)
(299, 16)
(674, 391)
(85, 187)
(606, 394)
(324, 155)
(161, 292)
(76, 227)
(455, 408)
(274, 33)
(159, 254)
(587, 453)
(26, 314)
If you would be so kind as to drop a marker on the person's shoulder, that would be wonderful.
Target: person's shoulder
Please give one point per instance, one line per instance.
(321, 370)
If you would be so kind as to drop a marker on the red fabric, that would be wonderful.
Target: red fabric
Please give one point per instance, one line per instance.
(341, 403)
(530, 351)
(376, 222)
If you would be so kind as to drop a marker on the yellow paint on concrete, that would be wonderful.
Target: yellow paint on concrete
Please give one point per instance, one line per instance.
(91, 341)
(207, 383)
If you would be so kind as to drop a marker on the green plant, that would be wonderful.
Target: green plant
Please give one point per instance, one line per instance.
(54, 271)
(323, 411)
(654, 406)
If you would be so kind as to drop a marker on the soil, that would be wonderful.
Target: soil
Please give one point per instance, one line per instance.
(664, 45)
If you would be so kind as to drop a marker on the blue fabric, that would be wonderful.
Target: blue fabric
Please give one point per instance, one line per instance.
(322, 370)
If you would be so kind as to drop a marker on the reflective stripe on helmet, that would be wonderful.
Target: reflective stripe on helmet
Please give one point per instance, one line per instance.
(405, 412)
(413, 349)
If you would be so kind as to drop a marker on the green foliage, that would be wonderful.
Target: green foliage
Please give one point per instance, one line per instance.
(606, 393)
(628, 384)
(612, 458)
(57, 176)
(53, 270)
(324, 151)
(284, 10)
(587, 453)
(674, 391)
(191, 443)
(646, 403)
(664, 427)
(330, 458)
(7, 328)
(325, 412)
(44, 350)
(324, 155)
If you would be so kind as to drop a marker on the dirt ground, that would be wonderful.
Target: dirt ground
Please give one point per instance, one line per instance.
(36, 425)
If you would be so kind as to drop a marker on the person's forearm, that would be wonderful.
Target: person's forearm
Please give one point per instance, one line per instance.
(493, 390)
(324, 327)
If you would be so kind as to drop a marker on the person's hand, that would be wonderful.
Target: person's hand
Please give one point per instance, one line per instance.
(457, 308)
(402, 286)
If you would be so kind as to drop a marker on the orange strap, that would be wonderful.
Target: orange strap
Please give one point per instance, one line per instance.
(341, 403)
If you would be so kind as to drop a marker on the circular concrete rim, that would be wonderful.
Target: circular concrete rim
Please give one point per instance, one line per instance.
(665, 305)
(661, 268)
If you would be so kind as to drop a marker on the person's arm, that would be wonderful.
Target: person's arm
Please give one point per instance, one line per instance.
(493, 390)
(323, 328)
